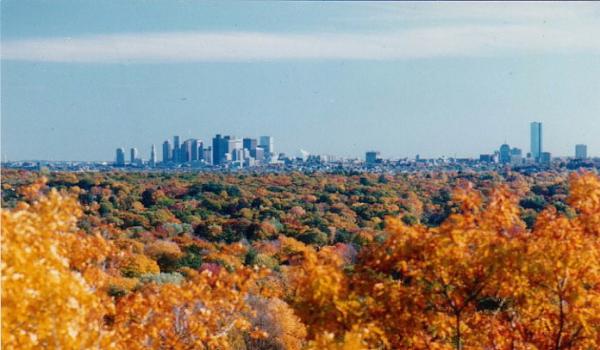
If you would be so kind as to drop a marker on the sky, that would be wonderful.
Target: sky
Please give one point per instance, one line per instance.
(81, 78)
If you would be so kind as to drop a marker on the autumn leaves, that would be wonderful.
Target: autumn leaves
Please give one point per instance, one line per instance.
(479, 280)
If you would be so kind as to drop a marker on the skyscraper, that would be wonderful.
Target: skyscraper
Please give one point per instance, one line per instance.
(234, 144)
(536, 140)
(581, 151)
(176, 151)
(259, 154)
(133, 155)
(186, 151)
(196, 150)
(268, 144)
(167, 152)
(516, 156)
(120, 157)
(219, 148)
(505, 154)
(207, 155)
(152, 156)
(371, 157)
(250, 144)
(201, 155)
(546, 158)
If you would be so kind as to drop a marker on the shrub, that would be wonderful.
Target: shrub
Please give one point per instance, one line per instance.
(192, 258)
(313, 236)
(166, 254)
(135, 265)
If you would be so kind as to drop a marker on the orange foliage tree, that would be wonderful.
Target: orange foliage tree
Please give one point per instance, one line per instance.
(46, 302)
(479, 280)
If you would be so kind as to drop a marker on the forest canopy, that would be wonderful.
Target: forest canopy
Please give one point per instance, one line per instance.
(300, 261)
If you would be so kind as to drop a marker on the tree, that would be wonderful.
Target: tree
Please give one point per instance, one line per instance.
(283, 328)
(45, 301)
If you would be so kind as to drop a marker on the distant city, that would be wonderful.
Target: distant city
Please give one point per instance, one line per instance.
(226, 152)
(232, 152)
(537, 155)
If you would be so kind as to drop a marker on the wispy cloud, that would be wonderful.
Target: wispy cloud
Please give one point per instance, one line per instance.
(428, 30)
(426, 42)
(490, 12)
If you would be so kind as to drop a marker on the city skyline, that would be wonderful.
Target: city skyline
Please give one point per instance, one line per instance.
(434, 79)
(535, 140)
(247, 151)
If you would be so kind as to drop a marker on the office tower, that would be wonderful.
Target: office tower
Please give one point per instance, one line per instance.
(216, 147)
(505, 154)
(486, 158)
(234, 149)
(207, 155)
(371, 157)
(196, 150)
(259, 154)
(152, 156)
(120, 157)
(133, 154)
(536, 141)
(176, 151)
(581, 151)
(167, 152)
(200, 150)
(268, 144)
(516, 156)
(250, 144)
(234, 144)
(237, 155)
(546, 158)
(185, 150)
(219, 147)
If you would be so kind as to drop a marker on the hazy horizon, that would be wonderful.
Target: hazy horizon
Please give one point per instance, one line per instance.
(436, 79)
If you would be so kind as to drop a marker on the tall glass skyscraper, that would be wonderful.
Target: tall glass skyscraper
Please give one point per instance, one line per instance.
(120, 157)
(505, 154)
(536, 140)
(176, 150)
(133, 155)
(167, 152)
(219, 148)
(152, 156)
(268, 144)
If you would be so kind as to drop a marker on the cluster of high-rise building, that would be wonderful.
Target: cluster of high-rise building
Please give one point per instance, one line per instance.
(242, 151)
(224, 150)
(232, 152)
(537, 155)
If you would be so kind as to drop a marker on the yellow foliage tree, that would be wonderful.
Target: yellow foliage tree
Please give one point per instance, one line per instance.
(46, 303)
(136, 265)
(199, 314)
(276, 318)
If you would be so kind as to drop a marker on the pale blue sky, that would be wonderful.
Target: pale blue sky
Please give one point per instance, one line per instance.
(80, 78)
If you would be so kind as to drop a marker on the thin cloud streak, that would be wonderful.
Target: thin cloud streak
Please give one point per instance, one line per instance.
(429, 42)
(499, 11)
